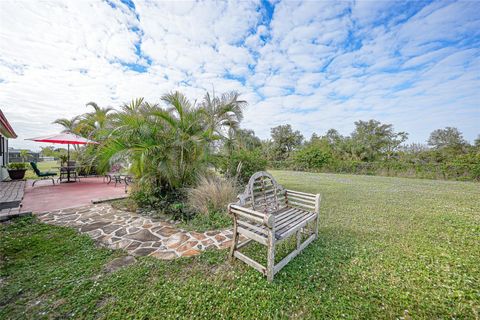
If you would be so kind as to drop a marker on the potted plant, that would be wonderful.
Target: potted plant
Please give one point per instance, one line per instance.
(16, 170)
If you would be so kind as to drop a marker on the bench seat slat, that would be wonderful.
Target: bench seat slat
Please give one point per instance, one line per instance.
(288, 232)
(291, 219)
(286, 229)
(287, 215)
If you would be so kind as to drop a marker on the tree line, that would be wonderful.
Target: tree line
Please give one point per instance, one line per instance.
(168, 144)
(375, 148)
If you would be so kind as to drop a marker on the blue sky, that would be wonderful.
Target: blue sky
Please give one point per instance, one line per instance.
(316, 65)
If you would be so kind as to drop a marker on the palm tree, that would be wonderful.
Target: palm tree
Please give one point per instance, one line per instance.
(187, 126)
(223, 115)
(166, 147)
(94, 123)
(69, 125)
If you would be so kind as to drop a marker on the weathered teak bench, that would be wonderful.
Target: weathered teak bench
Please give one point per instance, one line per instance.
(267, 213)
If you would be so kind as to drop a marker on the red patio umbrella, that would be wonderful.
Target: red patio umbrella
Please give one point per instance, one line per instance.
(67, 138)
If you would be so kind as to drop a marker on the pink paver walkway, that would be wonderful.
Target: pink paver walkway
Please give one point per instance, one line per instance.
(47, 197)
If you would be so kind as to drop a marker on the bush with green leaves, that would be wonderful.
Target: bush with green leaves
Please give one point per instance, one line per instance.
(312, 157)
(160, 201)
(242, 164)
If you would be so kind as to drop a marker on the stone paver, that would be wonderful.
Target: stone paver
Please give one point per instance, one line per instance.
(138, 235)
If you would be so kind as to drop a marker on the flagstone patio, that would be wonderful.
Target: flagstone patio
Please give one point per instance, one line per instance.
(138, 235)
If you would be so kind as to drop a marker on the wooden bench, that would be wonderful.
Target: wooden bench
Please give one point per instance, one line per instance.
(268, 214)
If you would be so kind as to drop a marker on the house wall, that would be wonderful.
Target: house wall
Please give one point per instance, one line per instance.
(3, 156)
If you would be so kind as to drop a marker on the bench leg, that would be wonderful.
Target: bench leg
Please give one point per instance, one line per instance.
(299, 238)
(317, 210)
(235, 236)
(271, 255)
(234, 244)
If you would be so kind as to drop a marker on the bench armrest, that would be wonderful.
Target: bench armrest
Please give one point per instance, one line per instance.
(265, 219)
(303, 200)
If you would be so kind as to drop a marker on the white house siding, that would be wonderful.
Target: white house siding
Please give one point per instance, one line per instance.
(3, 157)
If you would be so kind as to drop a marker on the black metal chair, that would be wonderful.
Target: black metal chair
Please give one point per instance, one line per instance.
(42, 175)
(71, 170)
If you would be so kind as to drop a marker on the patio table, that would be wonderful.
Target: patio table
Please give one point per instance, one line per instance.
(69, 169)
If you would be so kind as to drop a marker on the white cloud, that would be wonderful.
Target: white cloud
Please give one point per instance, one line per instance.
(315, 65)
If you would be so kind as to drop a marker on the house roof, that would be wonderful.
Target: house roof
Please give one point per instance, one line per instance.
(5, 127)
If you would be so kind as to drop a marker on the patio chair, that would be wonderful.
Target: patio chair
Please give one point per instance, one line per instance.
(114, 171)
(42, 175)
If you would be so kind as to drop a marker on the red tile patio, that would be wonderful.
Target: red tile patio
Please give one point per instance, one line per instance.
(47, 197)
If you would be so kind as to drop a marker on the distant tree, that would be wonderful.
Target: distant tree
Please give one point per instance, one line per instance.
(48, 151)
(449, 138)
(477, 142)
(285, 140)
(373, 139)
(333, 137)
(394, 142)
(268, 149)
(314, 137)
(414, 148)
(246, 139)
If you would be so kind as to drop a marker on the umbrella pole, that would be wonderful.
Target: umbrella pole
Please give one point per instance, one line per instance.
(68, 162)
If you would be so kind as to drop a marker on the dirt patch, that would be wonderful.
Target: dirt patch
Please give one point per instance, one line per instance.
(119, 263)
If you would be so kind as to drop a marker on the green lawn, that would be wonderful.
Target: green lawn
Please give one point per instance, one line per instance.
(42, 166)
(388, 248)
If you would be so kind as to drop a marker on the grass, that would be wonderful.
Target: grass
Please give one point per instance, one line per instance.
(199, 222)
(42, 166)
(127, 204)
(388, 248)
(204, 222)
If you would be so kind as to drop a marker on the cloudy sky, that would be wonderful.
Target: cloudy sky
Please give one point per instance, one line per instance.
(315, 65)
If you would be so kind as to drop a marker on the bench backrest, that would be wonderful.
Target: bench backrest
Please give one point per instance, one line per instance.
(263, 193)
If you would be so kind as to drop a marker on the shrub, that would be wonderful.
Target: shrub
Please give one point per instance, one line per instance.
(242, 164)
(212, 194)
(311, 157)
(164, 202)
